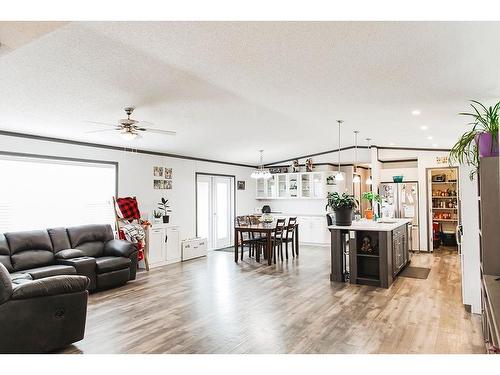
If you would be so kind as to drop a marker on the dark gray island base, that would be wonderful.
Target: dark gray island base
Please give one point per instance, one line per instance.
(377, 251)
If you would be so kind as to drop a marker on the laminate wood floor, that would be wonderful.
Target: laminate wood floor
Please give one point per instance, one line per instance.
(212, 305)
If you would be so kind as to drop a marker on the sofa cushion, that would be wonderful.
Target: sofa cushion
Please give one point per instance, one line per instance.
(30, 249)
(107, 264)
(89, 233)
(70, 254)
(59, 238)
(61, 284)
(54, 270)
(90, 238)
(5, 253)
(20, 278)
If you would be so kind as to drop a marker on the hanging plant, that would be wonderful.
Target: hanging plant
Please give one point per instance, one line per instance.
(481, 140)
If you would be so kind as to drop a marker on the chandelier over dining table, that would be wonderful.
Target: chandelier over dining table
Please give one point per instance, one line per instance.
(260, 172)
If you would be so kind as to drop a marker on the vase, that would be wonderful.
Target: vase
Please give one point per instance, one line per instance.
(369, 214)
(343, 216)
(487, 144)
(166, 219)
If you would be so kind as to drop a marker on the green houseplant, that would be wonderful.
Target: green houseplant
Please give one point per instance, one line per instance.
(370, 197)
(481, 140)
(164, 207)
(157, 215)
(342, 205)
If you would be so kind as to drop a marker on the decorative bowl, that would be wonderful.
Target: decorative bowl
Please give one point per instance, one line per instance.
(397, 178)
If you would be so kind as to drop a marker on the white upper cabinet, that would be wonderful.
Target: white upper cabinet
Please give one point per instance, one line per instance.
(282, 186)
(293, 185)
(303, 185)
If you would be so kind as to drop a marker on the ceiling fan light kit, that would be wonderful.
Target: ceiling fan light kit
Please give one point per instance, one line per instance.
(129, 128)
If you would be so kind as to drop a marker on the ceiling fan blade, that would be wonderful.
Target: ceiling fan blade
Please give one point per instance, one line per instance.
(102, 123)
(146, 123)
(102, 130)
(158, 131)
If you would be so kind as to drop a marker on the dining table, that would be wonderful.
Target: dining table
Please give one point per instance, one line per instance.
(265, 230)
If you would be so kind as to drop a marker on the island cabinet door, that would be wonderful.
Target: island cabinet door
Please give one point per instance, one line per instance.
(398, 250)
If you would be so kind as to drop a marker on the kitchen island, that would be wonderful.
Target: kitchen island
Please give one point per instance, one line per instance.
(369, 252)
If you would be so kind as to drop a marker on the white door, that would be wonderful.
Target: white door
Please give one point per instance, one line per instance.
(215, 207)
(223, 208)
(156, 246)
(173, 247)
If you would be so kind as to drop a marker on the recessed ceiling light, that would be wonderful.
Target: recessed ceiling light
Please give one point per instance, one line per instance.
(424, 127)
(415, 112)
(429, 137)
(435, 145)
(391, 144)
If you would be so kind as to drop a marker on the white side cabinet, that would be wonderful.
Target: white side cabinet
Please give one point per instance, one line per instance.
(163, 244)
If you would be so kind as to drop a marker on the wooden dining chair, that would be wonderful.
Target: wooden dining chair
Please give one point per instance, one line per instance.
(277, 238)
(290, 235)
(246, 237)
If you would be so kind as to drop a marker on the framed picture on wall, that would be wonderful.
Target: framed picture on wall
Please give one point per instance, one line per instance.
(241, 185)
(168, 184)
(168, 173)
(158, 171)
(157, 184)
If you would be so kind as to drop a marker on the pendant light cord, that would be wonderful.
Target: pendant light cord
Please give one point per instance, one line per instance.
(340, 122)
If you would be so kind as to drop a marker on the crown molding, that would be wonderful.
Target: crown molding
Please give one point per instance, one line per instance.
(116, 148)
(362, 147)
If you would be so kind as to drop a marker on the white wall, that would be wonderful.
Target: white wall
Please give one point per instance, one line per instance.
(409, 171)
(136, 177)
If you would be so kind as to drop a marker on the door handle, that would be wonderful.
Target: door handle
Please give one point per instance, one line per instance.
(458, 234)
(166, 238)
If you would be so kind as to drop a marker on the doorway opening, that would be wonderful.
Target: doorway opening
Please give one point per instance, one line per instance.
(215, 209)
(443, 203)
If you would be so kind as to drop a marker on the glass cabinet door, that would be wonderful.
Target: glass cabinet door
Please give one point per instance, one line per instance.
(293, 185)
(317, 185)
(305, 184)
(271, 187)
(261, 192)
(282, 191)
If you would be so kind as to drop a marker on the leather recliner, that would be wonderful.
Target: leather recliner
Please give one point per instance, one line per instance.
(88, 250)
(39, 316)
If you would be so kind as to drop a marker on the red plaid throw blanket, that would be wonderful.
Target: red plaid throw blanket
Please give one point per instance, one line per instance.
(129, 210)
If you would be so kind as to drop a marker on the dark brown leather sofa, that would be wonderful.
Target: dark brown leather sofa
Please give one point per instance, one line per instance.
(88, 250)
(39, 316)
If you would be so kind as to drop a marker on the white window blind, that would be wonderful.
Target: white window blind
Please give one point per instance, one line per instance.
(37, 193)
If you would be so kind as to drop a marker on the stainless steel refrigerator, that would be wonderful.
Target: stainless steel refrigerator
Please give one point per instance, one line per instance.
(400, 200)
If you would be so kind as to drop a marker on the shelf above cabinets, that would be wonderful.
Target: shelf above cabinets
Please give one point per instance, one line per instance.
(301, 185)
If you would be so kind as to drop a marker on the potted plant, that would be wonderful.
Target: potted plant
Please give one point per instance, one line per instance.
(481, 140)
(370, 197)
(165, 210)
(157, 215)
(342, 205)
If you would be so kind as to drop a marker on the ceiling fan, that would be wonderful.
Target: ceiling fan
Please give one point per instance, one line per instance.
(129, 128)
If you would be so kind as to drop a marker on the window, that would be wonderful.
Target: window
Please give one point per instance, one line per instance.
(37, 193)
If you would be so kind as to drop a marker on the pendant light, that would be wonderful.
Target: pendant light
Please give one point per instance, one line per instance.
(356, 179)
(260, 172)
(339, 176)
(369, 181)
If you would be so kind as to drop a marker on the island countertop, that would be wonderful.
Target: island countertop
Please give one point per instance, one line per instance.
(384, 225)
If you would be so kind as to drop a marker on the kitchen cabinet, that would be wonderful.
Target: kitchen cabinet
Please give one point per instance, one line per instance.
(303, 185)
(399, 249)
(163, 244)
(312, 229)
